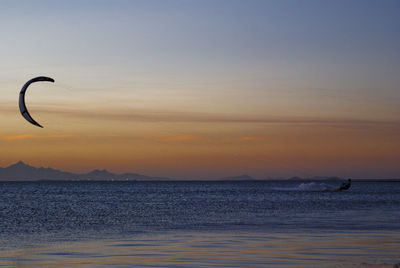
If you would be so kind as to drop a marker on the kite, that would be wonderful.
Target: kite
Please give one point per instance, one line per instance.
(22, 106)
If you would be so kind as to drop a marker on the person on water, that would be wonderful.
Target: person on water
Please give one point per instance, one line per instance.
(345, 185)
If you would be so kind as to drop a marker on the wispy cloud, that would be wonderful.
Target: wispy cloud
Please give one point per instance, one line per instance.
(155, 116)
(169, 138)
(103, 135)
(57, 136)
(183, 138)
(175, 116)
(253, 138)
(18, 137)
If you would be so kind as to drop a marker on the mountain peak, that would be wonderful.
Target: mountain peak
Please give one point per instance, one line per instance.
(100, 171)
(19, 164)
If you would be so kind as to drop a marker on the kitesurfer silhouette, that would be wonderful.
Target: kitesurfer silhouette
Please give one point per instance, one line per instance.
(345, 185)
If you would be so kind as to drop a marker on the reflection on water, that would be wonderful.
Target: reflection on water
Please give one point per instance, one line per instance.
(207, 249)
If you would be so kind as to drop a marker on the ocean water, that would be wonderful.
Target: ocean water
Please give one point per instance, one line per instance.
(199, 224)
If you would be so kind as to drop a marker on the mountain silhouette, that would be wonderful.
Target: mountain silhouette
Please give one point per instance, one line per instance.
(238, 178)
(24, 172)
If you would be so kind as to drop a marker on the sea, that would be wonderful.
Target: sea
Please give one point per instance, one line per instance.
(199, 224)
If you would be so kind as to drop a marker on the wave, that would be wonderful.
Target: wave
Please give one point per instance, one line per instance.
(310, 187)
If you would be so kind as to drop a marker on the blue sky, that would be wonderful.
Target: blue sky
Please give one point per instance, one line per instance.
(302, 60)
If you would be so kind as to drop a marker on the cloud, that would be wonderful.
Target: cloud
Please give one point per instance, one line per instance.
(160, 116)
(253, 138)
(164, 138)
(103, 135)
(59, 136)
(183, 138)
(33, 136)
(18, 137)
(174, 116)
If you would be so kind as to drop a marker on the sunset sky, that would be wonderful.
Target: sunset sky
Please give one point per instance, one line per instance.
(204, 89)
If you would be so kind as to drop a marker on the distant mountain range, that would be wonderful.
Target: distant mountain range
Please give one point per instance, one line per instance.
(238, 178)
(23, 172)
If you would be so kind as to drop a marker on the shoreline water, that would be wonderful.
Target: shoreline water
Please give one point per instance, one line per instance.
(215, 249)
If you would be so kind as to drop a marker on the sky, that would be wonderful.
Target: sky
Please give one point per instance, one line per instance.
(204, 89)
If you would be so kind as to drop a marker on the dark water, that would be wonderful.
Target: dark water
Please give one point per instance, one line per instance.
(83, 209)
(199, 224)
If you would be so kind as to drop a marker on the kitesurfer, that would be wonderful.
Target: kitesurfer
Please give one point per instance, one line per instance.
(345, 185)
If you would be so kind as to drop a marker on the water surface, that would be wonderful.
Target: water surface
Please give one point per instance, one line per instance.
(200, 224)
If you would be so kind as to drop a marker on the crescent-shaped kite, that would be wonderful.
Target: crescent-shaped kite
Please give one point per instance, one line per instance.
(22, 106)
